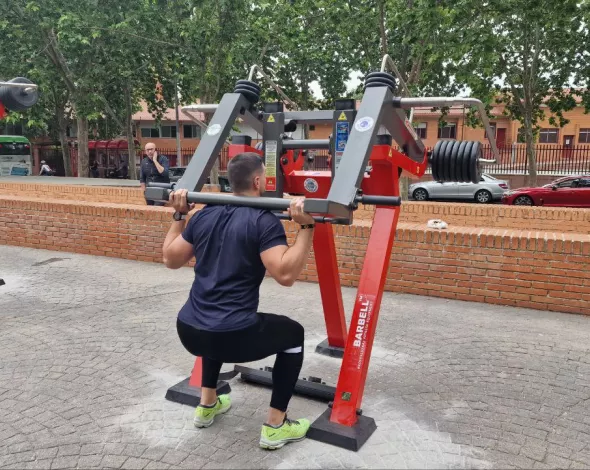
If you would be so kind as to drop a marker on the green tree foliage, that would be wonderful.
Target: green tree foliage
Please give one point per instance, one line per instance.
(525, 54)
(96, 60)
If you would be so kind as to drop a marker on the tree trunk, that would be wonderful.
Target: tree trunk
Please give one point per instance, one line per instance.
(65, 152)
(62, 126)
(129, 132)
(530, 148)
(214, 175)
(83, 164)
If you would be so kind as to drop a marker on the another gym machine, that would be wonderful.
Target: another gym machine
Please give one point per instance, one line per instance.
(365, 170)
(18, 94)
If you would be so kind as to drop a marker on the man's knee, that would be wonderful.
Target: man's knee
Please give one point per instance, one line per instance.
(297, 332)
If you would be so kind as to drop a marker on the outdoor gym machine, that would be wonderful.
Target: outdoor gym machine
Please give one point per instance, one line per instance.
(359, 136)
(18, 94)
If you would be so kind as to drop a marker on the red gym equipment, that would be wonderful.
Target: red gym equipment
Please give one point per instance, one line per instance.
(365, 170)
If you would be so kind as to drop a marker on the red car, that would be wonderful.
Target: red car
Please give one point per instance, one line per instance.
(571, 191)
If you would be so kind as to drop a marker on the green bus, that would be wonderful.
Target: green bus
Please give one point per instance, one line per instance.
(15, 156)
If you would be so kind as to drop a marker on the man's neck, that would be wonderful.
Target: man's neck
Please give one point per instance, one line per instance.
(248, 194)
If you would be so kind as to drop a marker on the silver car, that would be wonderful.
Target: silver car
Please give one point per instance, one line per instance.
(488, 189)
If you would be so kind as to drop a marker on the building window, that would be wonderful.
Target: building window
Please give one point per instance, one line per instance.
(584, 137)
(548, 136)
(150, 132)
(191, 131)
(169, 132)
(312, 127)
(521, 138)
(447, 132)
(420, 130)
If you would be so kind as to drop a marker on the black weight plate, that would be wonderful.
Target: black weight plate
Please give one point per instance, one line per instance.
(441, 161)
(438, 159)
(248, 83)
(247, 87)
(17, 99)
(455, 161)
(384, 81)
(474, 163)
(250, 96)
(465, 162)
(375, 85)
(446, 162)
(379, 75)
(434, 158)
(460, 165)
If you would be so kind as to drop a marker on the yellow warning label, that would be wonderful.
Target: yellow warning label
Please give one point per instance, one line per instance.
(271, 118)
(342, 116)
(390, 153)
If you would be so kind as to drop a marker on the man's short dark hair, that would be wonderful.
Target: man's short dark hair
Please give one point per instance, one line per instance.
(241, 170)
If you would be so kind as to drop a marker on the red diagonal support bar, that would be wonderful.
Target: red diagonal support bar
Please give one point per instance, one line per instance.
(353, 373)
(196, 374)
(355, 363)
(324, 250)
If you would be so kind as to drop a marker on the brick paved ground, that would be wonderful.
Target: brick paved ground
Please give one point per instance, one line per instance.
(88, 349)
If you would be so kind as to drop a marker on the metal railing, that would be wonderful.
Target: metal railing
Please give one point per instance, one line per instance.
(552, 159)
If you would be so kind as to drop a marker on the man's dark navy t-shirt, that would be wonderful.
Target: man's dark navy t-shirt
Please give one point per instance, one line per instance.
(227, 242)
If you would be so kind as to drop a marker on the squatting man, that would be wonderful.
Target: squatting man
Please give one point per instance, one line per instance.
(233, 247)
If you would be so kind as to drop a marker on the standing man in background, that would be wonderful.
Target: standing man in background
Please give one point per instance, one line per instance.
(154, 168)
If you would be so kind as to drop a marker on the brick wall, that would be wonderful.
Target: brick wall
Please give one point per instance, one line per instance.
(49, 191)
(558, 219)
(455, 214)
(118, 195)
(544, 270)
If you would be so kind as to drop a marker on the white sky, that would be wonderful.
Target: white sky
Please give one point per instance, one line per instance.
(351, 84)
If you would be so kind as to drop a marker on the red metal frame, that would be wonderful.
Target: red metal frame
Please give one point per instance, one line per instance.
(197, 373)
(323, 241)
(326, 262)
(317, 184)
(384, 180)
(235, 149)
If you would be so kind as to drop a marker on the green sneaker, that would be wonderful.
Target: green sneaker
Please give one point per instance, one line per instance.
(290, 431)
(204, 416)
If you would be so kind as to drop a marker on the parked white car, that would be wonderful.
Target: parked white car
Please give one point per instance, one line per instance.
(488, 190)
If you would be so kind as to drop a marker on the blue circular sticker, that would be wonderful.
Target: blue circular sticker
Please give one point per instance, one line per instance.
(364, 124)
(310, 185)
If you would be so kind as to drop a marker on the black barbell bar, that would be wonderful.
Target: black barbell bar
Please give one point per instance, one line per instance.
(158, 193)
(317, 218)
(306, 144)
(380, 200)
